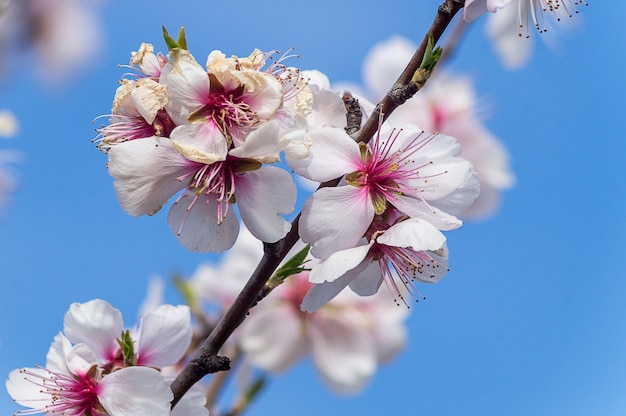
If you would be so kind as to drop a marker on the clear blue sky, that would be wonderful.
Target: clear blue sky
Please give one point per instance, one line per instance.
(530, 321)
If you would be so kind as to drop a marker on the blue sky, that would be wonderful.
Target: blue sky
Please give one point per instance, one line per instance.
(530, 320)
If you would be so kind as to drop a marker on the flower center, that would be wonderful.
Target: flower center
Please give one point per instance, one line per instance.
(69, 394)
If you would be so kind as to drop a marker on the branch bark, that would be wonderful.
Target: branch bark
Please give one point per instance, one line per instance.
(206, 359)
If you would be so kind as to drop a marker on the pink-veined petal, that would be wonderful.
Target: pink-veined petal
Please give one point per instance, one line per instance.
(262, 195)
(95, 323)
(136, 391)
(334, 219)
(195, 224)
(165, 336)
(147, 173)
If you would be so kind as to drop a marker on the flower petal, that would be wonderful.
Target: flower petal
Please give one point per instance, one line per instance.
(415, 233)
(262, 195)
(338, 264)
(332, 155)
(368, 281)
(136, 391)
(334, 219)
(321, 293)
(343, 351)
(202, 142)
(95, 323)
(193, 219)
(272, 338)
(147, 173)
(165, 336)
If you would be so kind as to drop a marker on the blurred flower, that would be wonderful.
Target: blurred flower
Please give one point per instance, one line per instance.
(347, 338)
(447, 104)
(475, 8)
(8, 124)
(509, 29)
(8, 183)
(64, 33)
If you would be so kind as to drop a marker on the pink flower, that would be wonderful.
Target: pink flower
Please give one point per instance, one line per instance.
(418, 174)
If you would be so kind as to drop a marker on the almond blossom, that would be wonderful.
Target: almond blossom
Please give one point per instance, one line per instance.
(447, 104)
(87, 373)
(399, 254)
(72, 383)
(208, 133)
(419, 174)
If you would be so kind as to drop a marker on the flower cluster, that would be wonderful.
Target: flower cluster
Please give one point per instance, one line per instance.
(95, 367)
(209, 132)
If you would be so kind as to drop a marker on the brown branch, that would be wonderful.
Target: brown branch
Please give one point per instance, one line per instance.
(206, 360)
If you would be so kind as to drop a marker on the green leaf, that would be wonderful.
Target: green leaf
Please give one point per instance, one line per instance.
(293, 266)
(172, 44)
(127, 346)
(186, 291)
(431, 55)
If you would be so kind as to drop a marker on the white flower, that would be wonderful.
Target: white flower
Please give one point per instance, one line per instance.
(476, 8)
(347, 338)
(509, 29)
(73, 383)
(418, 174)
(448, 105)
(161, 339)
(399, 254)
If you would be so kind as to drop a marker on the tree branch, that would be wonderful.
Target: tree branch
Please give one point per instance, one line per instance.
(206, 360)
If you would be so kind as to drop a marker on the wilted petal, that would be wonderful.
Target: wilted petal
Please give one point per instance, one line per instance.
(200, 142)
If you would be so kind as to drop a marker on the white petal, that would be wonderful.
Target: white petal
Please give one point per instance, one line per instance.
(202, 142)
(416, 208)
(332, 155)
(60, 348)
(343, 351)
(338, 264)
(272, 337)
(262, 195)
(80, 359)
(503, 31)
(25, 389)
(416, 233)
(187, 83)
(262, 144)
(95, 323)
(135, 391)
(195, 224)
(165, 336)
(147, 172)
(321, 293)
(334, 219)
(193, 403)
(368, 281)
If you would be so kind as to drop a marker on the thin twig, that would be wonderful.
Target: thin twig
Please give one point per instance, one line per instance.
(206, 360)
